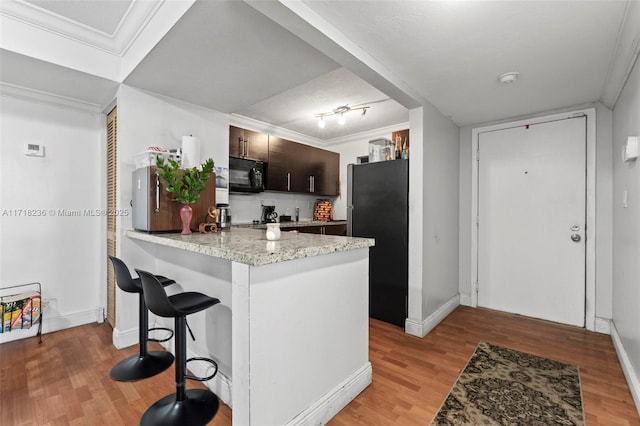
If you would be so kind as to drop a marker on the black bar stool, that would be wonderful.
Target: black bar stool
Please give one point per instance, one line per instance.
(184, 407)
(147, 363)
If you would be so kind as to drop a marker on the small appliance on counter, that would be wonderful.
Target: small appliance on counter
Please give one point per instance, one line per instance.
(224, 217)
(269, 214)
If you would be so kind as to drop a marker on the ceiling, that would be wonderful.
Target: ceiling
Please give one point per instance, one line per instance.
(282, 63)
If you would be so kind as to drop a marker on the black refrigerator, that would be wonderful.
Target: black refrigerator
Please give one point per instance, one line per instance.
(378, 207)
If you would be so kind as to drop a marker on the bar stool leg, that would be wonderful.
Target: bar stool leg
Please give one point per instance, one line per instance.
(184, 407)
(147, 363)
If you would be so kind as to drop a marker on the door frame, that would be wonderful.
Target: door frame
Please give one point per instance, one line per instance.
(590, 263)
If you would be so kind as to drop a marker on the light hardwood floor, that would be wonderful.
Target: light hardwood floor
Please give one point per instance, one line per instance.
(65, 381)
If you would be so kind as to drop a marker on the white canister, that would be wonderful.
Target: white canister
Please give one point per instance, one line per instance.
(273, 231)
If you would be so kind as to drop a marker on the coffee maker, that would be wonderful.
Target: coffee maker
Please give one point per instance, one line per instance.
(269, 214)
(224, 217)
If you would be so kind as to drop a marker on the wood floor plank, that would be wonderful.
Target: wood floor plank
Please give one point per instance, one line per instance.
(65, 380)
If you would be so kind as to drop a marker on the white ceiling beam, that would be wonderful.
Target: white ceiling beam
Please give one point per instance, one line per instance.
(299, 19)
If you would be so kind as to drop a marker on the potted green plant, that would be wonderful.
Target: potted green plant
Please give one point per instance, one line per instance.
(185, 185)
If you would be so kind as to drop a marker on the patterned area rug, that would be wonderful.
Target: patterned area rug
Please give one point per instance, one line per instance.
(501, 386)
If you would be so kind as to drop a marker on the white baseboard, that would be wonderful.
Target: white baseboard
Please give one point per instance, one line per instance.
(421, 329)
(465, 299)
(124, 338)
(602, 325)
(220, 384)
(323, 410)
(53, 323)
(627, 368)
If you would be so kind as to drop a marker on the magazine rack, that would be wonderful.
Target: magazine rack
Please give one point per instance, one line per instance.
(21, 310)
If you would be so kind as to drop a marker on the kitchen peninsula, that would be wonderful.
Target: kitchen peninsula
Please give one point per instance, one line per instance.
(294, 313)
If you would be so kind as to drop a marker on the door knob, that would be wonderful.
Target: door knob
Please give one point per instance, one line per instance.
(575, 238)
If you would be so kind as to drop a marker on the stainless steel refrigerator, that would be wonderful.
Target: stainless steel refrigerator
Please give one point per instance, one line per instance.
(378, 207)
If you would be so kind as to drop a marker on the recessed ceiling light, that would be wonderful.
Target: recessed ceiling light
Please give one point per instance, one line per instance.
(508, 77)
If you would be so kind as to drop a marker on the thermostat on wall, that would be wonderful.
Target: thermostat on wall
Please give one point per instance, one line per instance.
(34, 149)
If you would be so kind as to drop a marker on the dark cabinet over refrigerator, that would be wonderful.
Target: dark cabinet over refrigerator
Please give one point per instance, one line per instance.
(378, 207)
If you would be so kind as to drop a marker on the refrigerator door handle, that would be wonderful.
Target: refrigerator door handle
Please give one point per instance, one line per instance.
(157, 209)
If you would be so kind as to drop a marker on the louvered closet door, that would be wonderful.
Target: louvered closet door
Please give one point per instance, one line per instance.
(112, 127)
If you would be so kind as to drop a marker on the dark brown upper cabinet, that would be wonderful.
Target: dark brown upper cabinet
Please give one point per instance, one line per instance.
(300, 168)
(245, 143)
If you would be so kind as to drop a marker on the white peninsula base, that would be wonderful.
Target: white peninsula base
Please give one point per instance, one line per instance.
(298, 325)
(302, 330)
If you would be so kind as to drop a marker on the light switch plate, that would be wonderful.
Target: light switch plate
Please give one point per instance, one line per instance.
(630, 149)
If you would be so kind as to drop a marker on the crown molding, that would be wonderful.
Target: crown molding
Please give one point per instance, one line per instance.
(132, 24)
(625, 55)
(37, 96)
(261, 126)
(368, 134)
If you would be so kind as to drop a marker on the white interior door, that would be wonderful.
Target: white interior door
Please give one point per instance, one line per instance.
(531, 220)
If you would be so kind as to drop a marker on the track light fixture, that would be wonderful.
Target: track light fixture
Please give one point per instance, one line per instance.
(341, 111)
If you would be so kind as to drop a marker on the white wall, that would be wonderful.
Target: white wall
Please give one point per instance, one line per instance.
(603, 304)
(433, 211)
(146, 119)
(440, 224)
(63, 252)
(626, 235)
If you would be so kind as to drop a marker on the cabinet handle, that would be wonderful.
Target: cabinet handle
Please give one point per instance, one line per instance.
(157, 209)
(246, 147)
(313, 184)
(288, 181)
(241, 146)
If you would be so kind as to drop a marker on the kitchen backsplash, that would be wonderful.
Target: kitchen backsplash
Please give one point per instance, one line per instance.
(247, 208)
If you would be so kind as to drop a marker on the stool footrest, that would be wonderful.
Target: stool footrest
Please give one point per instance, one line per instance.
(202, 379)
(160, 340)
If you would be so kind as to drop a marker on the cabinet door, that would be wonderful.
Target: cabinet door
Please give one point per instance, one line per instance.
(300, 167)
(278, 177)
(256, 145)
(245, 143)
(328, 180)
(236, 142)
(336, 229)
(314, 169)
(311, 229)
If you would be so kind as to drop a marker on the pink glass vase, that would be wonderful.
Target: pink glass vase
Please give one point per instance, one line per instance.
(186, 213)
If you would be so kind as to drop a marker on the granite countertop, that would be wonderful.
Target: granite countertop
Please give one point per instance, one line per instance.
(250, 246)
(292, 224)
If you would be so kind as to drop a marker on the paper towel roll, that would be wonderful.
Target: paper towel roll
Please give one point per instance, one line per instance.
(190, 152)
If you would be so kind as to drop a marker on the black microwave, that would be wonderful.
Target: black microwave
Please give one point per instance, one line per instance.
(246, 175)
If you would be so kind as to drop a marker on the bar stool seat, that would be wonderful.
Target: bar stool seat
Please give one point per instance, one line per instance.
(184, 407)
(146, 363)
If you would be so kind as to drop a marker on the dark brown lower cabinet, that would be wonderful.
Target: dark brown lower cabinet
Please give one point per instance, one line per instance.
(338, 229)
